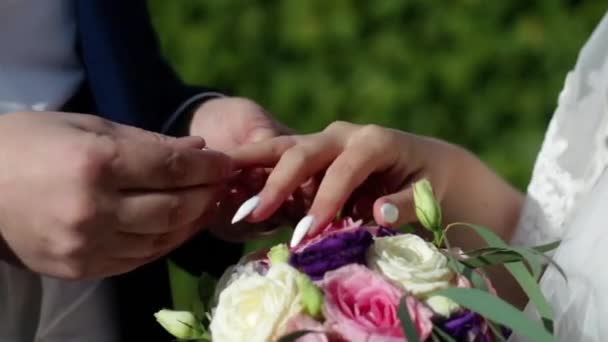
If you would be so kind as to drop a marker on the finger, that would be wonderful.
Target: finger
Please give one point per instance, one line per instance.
(188, 142)
(344, 175)
(395, 209)
(262, 154)
(156, 165)
(261, 134)
(135, 133)
(145, 246)
(295, 167)
(163, 212)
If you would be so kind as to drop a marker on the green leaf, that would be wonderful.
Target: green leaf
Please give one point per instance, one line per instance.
(547, 247)
(183, 288)
(531, 288)
(496, 330)
(519, 272)
(406, 322)
(542, 258)
(294, 336)
(497, 310)
(533, 259)
(206, 289)
(489, 258)
(442, 335)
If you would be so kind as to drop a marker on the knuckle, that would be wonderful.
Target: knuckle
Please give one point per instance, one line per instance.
(242, 104)
(94, 123)
(80, 212)
(371, 131)
(72, 247)
(375, 137)
(298, 156)
(345, 170)
(175, 166)
(337, 126)
(74, 270)
(174, 212)
(91, 159)
(282, 144)
(71, 251)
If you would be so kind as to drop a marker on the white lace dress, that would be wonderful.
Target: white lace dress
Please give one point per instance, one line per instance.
(568, 198)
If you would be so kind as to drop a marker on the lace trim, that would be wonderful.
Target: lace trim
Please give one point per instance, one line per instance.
(571, 160)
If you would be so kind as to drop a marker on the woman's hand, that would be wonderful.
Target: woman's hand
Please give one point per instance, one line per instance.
(366, 166)
(368, 171)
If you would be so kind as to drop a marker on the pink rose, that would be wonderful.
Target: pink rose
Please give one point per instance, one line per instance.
(362, 307)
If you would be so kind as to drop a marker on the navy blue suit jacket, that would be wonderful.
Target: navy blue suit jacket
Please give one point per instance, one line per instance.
(128, 81)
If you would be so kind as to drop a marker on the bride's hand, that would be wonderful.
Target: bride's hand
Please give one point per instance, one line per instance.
(358, 166)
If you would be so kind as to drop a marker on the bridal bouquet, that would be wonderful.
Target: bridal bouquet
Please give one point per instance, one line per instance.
(354, 282)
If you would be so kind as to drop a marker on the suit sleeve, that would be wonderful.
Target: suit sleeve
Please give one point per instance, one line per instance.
(118, 40)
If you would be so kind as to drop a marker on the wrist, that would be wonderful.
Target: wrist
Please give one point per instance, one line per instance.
(180, 122)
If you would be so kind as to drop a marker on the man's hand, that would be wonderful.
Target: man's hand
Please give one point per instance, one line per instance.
(82, 197)
(229, 122)
(226, 124)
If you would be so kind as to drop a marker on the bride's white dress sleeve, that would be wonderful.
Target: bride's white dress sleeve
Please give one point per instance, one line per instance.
(568, 198)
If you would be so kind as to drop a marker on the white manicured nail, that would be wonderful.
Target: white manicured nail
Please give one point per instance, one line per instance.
(301, 229)
(246, 208)
(390, 213)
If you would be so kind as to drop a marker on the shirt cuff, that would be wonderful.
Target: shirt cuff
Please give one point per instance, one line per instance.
(175, 121)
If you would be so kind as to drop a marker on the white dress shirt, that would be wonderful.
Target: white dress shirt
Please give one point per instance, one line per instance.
(39, 70)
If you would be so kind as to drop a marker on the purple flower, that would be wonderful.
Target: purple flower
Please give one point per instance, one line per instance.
(332, 252)
(384, 231)
(466, 326)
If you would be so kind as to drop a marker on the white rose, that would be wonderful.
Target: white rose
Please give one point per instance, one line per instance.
(442, 305)
(255, 307)
(410, 262)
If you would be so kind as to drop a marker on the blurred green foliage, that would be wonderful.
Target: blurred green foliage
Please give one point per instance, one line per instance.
(483, 74)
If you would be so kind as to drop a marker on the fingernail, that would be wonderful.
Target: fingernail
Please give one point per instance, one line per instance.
(246, 208)
(389, 212)
(301, 229)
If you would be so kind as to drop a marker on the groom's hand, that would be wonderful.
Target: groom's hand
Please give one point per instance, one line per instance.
(226, 124)
(229, 122)
(83, 197)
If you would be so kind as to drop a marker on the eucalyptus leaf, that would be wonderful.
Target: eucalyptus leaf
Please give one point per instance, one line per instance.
(442, 335)
(531, 288)
(519, 271)
(406, 322)
(497, 310)
(496, 331)
(490, 258)
(543, 259)
(547, 247)
(533, 259)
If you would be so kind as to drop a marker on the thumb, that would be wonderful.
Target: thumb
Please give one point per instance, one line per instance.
(395, 209)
